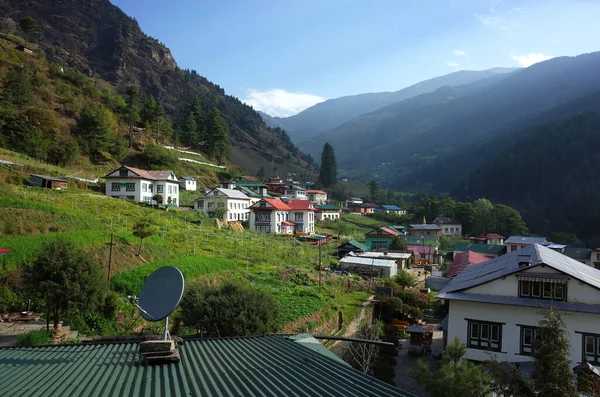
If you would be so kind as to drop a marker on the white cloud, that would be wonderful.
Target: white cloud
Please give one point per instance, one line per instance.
(496, 21)
(281, 103)
(452, 64)
(459, 53)
(526, 60)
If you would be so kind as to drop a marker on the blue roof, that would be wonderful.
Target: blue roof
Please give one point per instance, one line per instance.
(526, 240)
(392, 207)
(436, 283)
(504, 265)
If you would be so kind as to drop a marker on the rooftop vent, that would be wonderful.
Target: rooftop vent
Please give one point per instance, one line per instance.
(524, 260)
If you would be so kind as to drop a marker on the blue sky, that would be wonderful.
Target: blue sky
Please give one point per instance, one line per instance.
(283, 56)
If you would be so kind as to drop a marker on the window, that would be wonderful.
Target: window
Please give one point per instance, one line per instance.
(144, 187)
(174, 189)
(174, 201)
(215, 193)
(201, 204)
(170, 189)
(528, 335)
(484, 335)
(598, 257)
(123, 172)
(160, 188)
(379, 245)
(543, 289)
(263, 229)
(130, 187)
(513, 248)
(130, 197)
(591, 348)
(150, 188)
(298, 216)
(263, 205)
(115, 187)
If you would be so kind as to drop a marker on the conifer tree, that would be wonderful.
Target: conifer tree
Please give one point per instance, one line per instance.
(328, 171)
(219, 144)
(373, 190)
(17, 88)
(133, 109)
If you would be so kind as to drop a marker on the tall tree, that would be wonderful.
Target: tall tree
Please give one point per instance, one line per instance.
(373, 190)
(328, 172)
(65, 276)
(28, 25)
(219, 144)
(94, 128)
(133, 109)
(17, 88)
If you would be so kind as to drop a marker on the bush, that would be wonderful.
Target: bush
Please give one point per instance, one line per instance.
(35, 338)
(8, 299)
(229, 310)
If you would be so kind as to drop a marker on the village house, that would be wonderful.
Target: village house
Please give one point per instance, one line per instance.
(269, 216)
(302, 214)
(464, 259)
(143, 186)
(235, 204)
(369, 266)
(317, 196)
(391, 209)
(514, 243)
(380, 239)
(449, 226)
(258, 188)
(27, 49)
(401, 258)
(487, 238)
(494, 306)
(352, 200)
(590, 257)
(276, 185)
(357, 208)
(487, 250)
(327, 212)
(294, 192)
(424, 230)
(45, 181)
(351, 246)
(187, 183)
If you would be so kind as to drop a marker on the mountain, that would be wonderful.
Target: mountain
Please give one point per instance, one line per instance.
(397, 141)
(552, 177)
(332, 113)
(98, 39)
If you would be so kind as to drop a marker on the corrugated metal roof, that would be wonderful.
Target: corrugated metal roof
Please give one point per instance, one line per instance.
(508, 264)
(358, 245)
(392, 207)
(230, 193)
(420, 240)
(425, 227)
(260, 366)
(356, 260)
(516, 301)
(436, 283)
(578, 253)
(49, 178)
(525, 240)
(492, 249)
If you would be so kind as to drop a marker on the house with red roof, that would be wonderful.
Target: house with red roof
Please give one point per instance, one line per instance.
(487, 238)
(141, 185)
(380, 239)
(464, 259)
(317, 196)
(268, 216)
(302, 213)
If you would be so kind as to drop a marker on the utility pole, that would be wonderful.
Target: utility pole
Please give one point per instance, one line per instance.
(111, 244)
(320, 265)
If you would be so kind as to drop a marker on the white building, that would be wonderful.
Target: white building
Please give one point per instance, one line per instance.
(327, 212)
(382, 267)
(495, 305)
(514, 243)
(294, 192)
(302, 213)
(236, 204)
(187, 183)
(270, 216)
(141, 185)
(317, 196)
(450, 227)
(353, 200)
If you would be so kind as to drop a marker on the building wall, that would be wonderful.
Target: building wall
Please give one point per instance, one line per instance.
(451, 230)
(188, 185)
(514, 247)
(370, 241)
(236, 209)
(322, 215)
(512, 317)
(276, 217)
(144, 190)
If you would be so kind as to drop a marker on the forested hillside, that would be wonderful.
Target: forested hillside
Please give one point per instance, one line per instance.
(332, 113)
(552, 177)
(99, 41)
(402, 138)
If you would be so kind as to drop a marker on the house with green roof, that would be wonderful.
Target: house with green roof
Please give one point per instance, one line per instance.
(351, 246)
(488, 250)
(273, 365)
(327, 212)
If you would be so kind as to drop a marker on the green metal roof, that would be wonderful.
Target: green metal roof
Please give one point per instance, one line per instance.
(242, 182)
(420, 240)
(252, 193)
(260, 366)
(328, 207)
(480, 248)
(578, 253)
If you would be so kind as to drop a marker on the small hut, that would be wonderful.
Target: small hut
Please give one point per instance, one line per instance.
(47, 182)
(420, 339)
(24, 48)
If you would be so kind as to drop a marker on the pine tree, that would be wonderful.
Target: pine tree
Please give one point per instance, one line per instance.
(373, 190)
(196, 111)
(17, 88)
(328, 171)
(219, 144)
(28, 25)
(133, 109)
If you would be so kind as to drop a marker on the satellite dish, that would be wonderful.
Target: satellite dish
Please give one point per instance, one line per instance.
(161, 293)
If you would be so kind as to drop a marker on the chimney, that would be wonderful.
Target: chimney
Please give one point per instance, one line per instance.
(160, 351)
(524, 260)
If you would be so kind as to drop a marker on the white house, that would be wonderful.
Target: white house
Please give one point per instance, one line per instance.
(382, 267)
(270, 216)
(294, 192)
(450, 227)
(141, 185)
(327, 212)
(317, 196)
(353, 200)
(514, 243)
(236, 204)
(494, 306)
(187, 183)
(302, 213)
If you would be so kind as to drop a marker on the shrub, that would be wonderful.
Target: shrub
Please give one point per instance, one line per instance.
(35, 338)
(229, 310)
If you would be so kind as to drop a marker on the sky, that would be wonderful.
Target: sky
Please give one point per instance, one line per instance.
(283, 56)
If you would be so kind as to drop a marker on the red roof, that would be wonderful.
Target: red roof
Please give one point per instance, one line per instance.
(464, 259)
(301, 205)
(3, 251)
(492, 235)
(421, 249)
(315, 192)
(288, 223)
(277, 204)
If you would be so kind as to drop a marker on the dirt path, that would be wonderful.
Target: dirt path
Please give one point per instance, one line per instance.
(352, 328)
